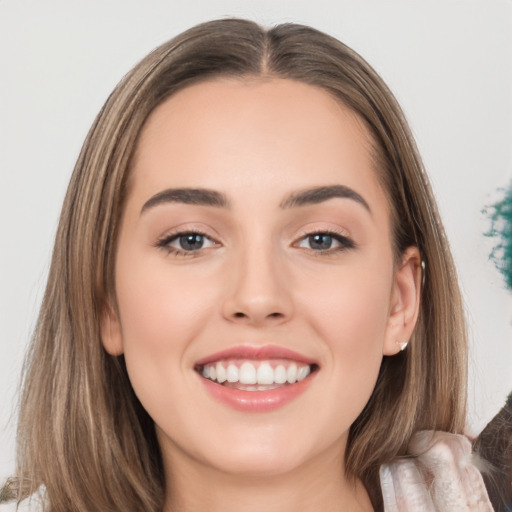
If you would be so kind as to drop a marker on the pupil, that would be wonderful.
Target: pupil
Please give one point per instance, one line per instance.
(320, 241)
(191, 241)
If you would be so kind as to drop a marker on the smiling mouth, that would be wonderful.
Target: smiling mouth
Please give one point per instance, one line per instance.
(256, 375)
(256, 379)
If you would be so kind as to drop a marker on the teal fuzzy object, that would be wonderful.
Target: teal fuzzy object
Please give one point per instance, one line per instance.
(501, 229)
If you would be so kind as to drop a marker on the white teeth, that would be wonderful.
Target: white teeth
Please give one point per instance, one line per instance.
(247, 374)
(302, 373)
(280, 376)
(265, 374)
(232, 373)
(250, 373)
(291, 373)
(222, 375)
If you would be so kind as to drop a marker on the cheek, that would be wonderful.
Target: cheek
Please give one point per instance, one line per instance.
(161, 313)
(353, 330)
(350, 314)
(350, 309)
(160, 310)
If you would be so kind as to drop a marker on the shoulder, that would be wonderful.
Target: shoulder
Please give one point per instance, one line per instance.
(438, 475)
(24, 507)
(34, 503)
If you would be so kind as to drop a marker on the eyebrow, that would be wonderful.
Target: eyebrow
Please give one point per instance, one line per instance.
(197, 196)
(320, 194)
(207, 197)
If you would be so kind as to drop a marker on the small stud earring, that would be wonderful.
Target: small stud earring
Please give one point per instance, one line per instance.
(402, 345)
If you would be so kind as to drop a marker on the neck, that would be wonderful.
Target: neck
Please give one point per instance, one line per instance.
(319, 485)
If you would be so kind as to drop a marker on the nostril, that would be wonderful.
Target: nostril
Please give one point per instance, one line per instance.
(253, 316)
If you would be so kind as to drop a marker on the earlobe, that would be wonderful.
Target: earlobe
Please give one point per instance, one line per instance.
(405, 302)
(110, 330)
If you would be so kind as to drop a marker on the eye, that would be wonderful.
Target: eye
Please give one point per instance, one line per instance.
(189, 242)
(325, 242)
(186, 243)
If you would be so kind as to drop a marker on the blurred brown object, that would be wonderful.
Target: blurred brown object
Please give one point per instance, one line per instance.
(494, 446)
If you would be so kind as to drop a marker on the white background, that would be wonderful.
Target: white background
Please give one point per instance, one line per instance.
(449, 63)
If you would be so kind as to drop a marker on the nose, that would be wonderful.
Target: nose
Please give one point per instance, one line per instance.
(259, 291)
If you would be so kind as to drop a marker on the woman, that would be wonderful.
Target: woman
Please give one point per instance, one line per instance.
(236, 313)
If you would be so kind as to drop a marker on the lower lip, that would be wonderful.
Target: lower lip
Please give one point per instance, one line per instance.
(257, 401)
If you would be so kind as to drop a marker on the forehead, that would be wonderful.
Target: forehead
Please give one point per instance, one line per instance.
(264, 135)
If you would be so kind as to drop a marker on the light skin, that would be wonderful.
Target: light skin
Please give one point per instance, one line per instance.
(276, 162)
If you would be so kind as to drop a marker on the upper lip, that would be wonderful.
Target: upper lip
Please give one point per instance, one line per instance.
(260, 353)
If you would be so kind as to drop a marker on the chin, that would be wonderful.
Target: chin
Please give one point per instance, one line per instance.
(270, 451)
(258, 462)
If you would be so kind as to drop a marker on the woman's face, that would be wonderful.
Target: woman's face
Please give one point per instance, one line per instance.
(255, 279)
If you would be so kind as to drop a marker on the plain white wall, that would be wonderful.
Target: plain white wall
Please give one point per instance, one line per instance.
(449, 63)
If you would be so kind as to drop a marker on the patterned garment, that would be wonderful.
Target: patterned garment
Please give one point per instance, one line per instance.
(439, 476)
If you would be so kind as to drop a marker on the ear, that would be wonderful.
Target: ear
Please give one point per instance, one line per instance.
(110, 330)
(405, 302)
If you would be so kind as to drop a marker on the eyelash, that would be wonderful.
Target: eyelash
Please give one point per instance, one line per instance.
(165, 241)
(345, 243)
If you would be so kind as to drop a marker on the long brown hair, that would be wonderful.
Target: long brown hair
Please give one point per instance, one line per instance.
(82, 432)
